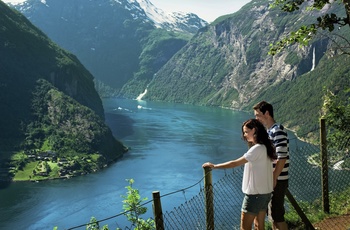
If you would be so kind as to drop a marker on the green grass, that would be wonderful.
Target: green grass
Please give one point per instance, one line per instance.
(27, 173)
(339, 205)
(24, 175)
(46, 146)
(31, 169)
(95, 157)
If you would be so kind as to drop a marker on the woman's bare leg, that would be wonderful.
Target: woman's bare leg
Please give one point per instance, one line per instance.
(247, 221)
(259, 221)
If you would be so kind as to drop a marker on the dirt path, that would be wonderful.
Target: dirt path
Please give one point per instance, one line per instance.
(334, 223)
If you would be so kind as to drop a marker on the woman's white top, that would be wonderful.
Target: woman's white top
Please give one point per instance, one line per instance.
(258, 171)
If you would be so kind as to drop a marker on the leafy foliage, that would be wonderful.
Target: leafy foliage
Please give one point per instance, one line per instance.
(298, 103)
(220, 65)
(94, 225)
(339, 204)
(133, 208)
(48, 99)
(65, 126)
(335, 106)
(220, 68)
(326, 21)
(62, 129)
(336, 111)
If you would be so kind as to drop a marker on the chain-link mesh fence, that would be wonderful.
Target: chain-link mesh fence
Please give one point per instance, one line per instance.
(227, 198)
(305, 185)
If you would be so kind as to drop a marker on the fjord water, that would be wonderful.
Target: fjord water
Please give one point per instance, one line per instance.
(168, 144)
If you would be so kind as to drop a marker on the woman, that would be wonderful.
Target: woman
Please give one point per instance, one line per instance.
(257, 183)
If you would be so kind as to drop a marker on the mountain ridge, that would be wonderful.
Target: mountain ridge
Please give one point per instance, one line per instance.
(111, 38)
(225, 63)
(48, 103)
(174, 21)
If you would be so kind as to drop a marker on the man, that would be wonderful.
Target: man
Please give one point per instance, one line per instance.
(263, 112)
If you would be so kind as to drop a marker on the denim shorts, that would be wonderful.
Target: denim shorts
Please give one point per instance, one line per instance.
(253, 204)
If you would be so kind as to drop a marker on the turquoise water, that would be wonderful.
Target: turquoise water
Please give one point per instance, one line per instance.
(168, 142)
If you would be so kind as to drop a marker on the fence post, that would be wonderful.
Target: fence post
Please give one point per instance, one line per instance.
(300, 212)
(324, 166)
(157, 211)
(209, 199)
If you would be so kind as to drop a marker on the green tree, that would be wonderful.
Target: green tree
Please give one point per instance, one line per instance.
(133, 208)
(336, 107)
(336, 111)
(94, 225)
(326, 21)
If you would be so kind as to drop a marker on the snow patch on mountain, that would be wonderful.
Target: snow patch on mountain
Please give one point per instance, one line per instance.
(144, 9)
(179, 21)
(158, 16)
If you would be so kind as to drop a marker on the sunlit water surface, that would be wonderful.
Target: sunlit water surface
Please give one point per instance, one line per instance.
(168, 144)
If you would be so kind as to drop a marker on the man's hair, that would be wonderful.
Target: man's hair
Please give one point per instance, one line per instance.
(263, 106)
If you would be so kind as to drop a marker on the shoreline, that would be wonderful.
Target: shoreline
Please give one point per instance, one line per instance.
(10, 180)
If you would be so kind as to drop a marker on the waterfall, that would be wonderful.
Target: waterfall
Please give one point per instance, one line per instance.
(141, 95)
(313, 60)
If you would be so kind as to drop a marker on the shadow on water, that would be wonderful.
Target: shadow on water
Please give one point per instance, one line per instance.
(5, 176)
(4, 184)
(120, 125)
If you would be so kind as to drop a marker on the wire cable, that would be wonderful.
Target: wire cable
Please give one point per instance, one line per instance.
(123, 213)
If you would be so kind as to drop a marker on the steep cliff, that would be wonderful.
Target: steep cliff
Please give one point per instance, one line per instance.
(224, 64)
(117, 41)
(39, 82)
(227, 63)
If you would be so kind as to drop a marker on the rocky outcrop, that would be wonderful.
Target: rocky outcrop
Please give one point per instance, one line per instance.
(229, 59)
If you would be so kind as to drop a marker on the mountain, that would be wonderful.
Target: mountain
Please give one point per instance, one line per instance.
(223, 64)
(48, 99)
(227, 64)
(175, 21)
(116, 40)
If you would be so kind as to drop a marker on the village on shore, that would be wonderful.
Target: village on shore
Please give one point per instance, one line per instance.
(46, 165)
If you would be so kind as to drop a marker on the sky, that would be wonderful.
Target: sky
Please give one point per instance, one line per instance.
(208, 10)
